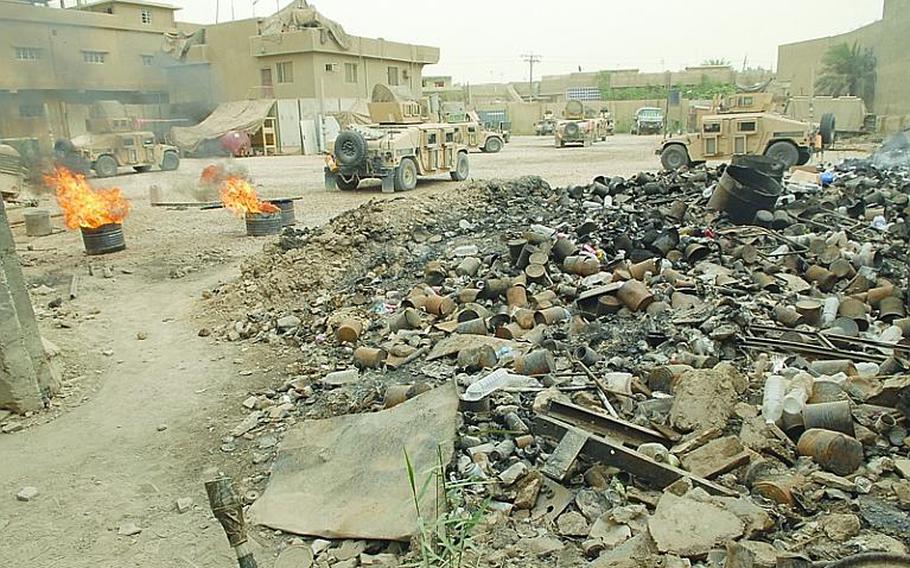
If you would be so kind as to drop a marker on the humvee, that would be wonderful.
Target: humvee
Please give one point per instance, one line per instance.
(474, 134)
(398, 148)
(743, 124)
(106, 152)
(648, 120)
(576, 128)
(547, 125)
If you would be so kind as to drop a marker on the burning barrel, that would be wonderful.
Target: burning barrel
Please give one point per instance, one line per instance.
(104, 239)
(262, 218)
(97, 213)
(286, 206)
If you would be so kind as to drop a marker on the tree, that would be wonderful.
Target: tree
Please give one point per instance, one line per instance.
(848, 70)
(716, 61)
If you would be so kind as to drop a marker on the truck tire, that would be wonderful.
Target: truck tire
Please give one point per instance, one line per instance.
(350, 148)
(827, 128)
(572, 130)
(170, 161)
(462, 167)
(347, 184)
(105, 166)
(784, 152)
(493, 145)
(406, 175)
(674, 156)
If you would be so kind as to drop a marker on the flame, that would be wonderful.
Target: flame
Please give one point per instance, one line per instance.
(240, 197)
(213, 173)
(83, 206)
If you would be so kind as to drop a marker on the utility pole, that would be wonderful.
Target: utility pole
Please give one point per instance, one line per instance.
(531, 59)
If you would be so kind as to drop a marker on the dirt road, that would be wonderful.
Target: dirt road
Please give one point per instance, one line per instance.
(141, 421)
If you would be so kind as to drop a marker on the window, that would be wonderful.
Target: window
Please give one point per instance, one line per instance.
(350, 72)
(450, 136)
(393, 76)
(746, 126)
(284, 71)
(739, 145)
(583, 94)
(431, 139)
(148, 60)
(710, 146)
(28, 53)
(31, 111)
(712, 127)
(329, 67)
(94, 56)
(145, 15)
(746, 101)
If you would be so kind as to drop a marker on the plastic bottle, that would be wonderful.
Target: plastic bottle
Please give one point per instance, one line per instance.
(867, 369)
(795, 400)
(829, 310)
(772, 404)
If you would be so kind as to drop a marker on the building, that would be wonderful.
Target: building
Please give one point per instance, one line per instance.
(296, 53)
(54, 63)
(799, 64)
(58, 62)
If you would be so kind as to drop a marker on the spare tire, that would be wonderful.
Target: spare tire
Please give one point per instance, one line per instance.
(572, 129)
(350, 148)
(827, 128)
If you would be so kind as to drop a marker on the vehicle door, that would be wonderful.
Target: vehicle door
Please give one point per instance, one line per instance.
(745, 135)
(129, 149)
(449, 149)
(712, 136)
(473, 135)
(432, 144)
(148, 149)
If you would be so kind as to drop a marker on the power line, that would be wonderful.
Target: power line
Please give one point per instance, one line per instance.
(531, 59)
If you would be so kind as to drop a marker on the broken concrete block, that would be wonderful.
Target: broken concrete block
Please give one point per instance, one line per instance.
(636, 552)
(512, 473)
(27, 494)
(840, 527)
(716, 457)
(541, 545)
(184, 504)
(528, 489)
(902, 467)
(686, 527)
(831, 480)
(129, 529)
(610, 532)
(750, 554)
(705, 398)
(295, 556)
(572, 523)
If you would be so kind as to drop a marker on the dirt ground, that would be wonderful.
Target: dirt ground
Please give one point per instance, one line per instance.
(139, 422)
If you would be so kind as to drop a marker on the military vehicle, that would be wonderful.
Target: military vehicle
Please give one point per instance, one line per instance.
(743, 124)
(473, 133)
(605, 124)
(576, 128)
(398, 148)
(648, 120)
(105, 153)
(546, 126)
(12, 172)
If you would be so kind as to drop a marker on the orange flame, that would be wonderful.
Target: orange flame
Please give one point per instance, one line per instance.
(240, 197)
(83, 206)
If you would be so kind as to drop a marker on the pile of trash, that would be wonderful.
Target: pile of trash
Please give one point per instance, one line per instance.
(612, 373)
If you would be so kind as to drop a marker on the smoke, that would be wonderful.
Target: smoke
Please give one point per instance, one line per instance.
(893, 153)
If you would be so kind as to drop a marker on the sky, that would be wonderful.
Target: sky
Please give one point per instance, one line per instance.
(483, 41)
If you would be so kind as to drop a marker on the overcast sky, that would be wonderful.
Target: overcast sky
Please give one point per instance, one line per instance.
(483, 40)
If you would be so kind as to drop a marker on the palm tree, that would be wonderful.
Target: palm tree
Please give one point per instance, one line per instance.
(715, 61)
(848, 70)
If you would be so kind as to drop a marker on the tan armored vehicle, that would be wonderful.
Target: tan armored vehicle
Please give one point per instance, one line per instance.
(11, 172)
(472, 133)
(105, 153)
(398, 148)
(743, 124)
(575, 128)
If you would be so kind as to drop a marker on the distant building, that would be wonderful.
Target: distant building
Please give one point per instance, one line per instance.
(54, 63)
(58, 62)
(799, 64)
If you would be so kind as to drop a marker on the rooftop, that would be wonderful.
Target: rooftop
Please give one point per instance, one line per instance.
(133, 2)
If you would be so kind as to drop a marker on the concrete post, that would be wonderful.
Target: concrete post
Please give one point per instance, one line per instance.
(24, 368)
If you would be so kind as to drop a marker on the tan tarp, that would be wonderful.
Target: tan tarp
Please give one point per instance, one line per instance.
(346, 477)
(246, 116)
(300, 15)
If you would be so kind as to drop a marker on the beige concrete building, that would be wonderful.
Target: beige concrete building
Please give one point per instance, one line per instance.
(799, 64)
(283, 57)
(54, 62)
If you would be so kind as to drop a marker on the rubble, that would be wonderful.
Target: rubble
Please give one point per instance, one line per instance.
(640, 383)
